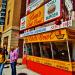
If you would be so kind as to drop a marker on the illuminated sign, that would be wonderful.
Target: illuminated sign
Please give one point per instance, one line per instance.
(52, 10)
(45, 37)
(23, 23)
(68, 4)
(35, 18)
(48, 28)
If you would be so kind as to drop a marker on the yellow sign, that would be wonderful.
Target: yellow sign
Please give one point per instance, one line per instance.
(48, 36)
(73, 66)
(35, 18)
(53, 63)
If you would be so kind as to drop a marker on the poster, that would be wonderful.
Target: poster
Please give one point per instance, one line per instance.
(23, 23)
(35, 18)
(52, 10)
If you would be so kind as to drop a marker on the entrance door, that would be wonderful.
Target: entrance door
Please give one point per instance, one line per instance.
(5, 44)
(20, 44)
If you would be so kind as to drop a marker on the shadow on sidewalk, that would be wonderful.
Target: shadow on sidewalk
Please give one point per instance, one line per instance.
(22, 74)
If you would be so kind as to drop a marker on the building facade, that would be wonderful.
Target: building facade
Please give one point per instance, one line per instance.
(0, 26)
(10, 33)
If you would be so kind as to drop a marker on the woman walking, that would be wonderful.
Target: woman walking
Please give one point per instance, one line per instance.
(13, 59)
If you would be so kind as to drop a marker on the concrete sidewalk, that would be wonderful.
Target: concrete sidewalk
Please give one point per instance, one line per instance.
(21, 70)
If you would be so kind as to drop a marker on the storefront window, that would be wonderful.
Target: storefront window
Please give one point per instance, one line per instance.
(36, 49)
(72, 50)
(46, 50)
(60, 51)
(46, 1)
(70, 45)
(29, 49)
(32, 1)
(24, 49)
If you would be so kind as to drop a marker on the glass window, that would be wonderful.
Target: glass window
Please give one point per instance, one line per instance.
(60, 51)
(32, 1)
(24, 49)
(36, 49)
(46, 50)
(8, 17)
(70, 45)
(72, 50)
(29, 49)
(46, 1)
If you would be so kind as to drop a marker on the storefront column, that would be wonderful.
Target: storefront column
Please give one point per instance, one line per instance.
(73, 53)
(32, 49)
(52, 50)
(68, 51)
(25, 48)
(40, 50)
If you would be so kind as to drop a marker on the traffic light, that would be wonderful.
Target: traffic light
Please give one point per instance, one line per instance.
(3, 12)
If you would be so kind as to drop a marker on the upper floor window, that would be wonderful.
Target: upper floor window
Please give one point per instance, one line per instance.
(8, 19)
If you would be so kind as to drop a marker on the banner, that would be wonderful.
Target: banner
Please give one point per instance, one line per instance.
(49, 36)
(52, 10)
(53, 63)
(35, 18)
(48, 28)
(23, 23)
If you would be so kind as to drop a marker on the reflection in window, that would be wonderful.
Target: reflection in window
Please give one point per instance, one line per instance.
(29, 50)
(60, 51)
(36, 49)
(32, 1)
(46, 1)
(24, 49)
(72, 50)
(46, 50)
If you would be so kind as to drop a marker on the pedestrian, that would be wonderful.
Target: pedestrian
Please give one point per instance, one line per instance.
(5, 53)
(2, 60)
(17, 51)
(13, 59)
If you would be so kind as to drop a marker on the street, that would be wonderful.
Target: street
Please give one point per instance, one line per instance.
(21, 70)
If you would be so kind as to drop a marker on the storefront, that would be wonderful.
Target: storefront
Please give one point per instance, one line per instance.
(50, 52)
(48, 46)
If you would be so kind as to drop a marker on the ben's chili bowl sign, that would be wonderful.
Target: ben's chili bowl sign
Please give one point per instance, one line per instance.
(23, 23)
(52, 10)
(35, 18)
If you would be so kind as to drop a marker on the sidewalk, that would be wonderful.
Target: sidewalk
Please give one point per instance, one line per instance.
(21, 70)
